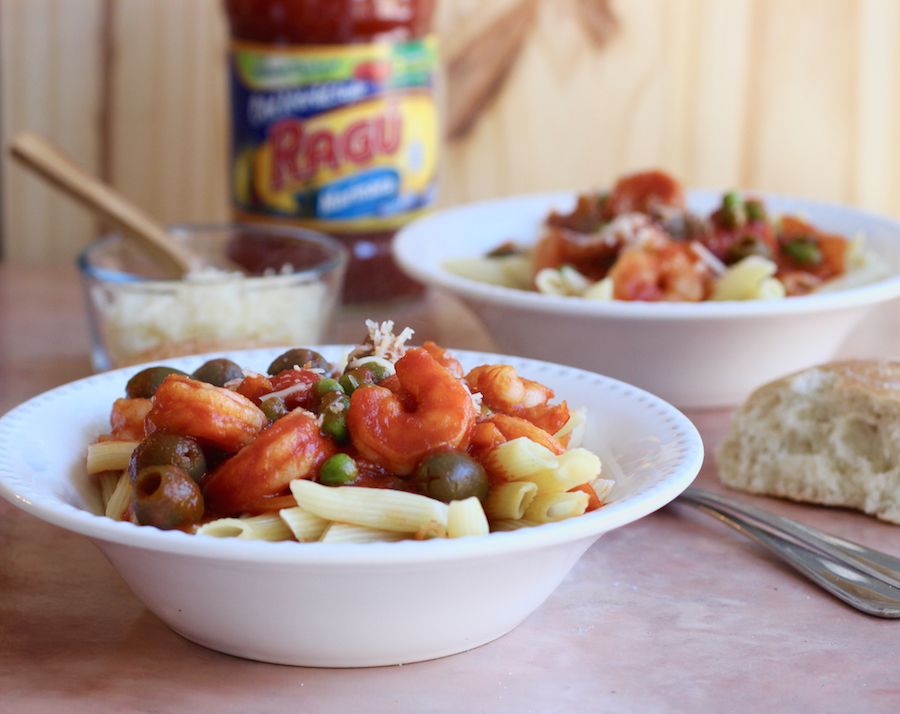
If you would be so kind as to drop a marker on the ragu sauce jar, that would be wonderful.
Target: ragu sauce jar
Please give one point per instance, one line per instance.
(335, 124)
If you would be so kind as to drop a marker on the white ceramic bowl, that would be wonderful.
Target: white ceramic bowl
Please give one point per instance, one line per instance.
(693, 355)
(344, 605)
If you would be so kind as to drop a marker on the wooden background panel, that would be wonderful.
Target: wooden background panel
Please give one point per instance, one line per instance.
(169, 101)
(794, 96)
(50, 81)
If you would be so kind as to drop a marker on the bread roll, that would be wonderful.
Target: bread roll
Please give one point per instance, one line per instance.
(828, 435)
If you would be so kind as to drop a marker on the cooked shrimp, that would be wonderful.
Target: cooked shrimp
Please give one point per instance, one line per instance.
(644, 192)
(395, 431)
(485, 437)
(127, 418)
(214, 414)
(503, 390)
(512, 427)
(293, 447)
(661, 270)
(591, 254)
(444, 358)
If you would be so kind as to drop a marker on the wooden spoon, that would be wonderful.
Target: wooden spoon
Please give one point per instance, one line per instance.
(37, 153)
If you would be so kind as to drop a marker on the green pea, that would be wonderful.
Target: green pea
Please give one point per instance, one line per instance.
(734, 213)
(804, 251)
(334, 424)
(145, 383)
(338, 470)
(326, 386)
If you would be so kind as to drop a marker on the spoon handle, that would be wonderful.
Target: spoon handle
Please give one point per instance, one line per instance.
(40, 155)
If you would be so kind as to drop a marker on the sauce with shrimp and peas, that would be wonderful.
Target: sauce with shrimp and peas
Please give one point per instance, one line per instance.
(397, 442)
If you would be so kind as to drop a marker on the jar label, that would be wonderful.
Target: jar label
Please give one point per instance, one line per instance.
(343, 138)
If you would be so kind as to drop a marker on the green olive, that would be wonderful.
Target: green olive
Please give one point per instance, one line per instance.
(299, 357)
(145, 383)
(354, 378)
(451, 476)
(273, 408)
(803, 251)
(166, 497)
(378, 370)
(745, 246)
(169, 448)
(339, 469)
(335, 425)
(217, 372)
(336, 402)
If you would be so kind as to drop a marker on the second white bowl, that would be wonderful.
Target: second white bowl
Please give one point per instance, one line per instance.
(693, 355)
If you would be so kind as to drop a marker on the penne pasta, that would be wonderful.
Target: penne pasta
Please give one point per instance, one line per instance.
(107, 481)
(557, 506)
(574, 429)
(466, 518)
(509, 500)
(750, 279)
(520, 458)
(512, 271)
(381, 508)
(111, 455)
(268, 526)
(349, 533)
(120, 498)
(304, 525)
(601, 290)
(573, 468)
(511, 524)
(430, 530)
(565, 281)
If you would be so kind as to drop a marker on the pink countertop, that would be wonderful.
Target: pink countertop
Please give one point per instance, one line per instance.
(675, 613)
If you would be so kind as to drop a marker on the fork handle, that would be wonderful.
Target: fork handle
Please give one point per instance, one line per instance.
(878, 565)
(859, 590)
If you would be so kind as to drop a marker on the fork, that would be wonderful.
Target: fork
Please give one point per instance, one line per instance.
(866, 579)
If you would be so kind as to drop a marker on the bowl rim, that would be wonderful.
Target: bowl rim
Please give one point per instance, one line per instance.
(337, 254)
(54, 510)
(407, 254)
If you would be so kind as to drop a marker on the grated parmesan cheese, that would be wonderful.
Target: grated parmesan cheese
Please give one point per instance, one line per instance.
(154, 319)
(381, 343)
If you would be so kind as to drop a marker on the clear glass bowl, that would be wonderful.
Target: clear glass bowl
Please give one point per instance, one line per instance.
(287, 297)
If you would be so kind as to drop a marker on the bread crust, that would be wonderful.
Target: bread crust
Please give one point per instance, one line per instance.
(828, 435)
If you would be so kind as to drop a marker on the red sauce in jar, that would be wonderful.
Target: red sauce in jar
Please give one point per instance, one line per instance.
(335, 124)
